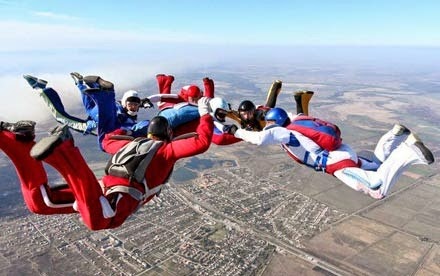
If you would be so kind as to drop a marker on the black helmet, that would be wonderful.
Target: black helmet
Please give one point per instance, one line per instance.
(246, 105)
(160, 128)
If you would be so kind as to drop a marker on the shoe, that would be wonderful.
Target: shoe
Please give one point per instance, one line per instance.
(167, 86)
(399, 129)
(23, 130)
(376, 194)
(77, 77)
(305, 99)
(45, 146)
(35, 82)
(161, 78)
(422, 151)
(164, 83)
(98, 82)
(272, 94)
(297, 96)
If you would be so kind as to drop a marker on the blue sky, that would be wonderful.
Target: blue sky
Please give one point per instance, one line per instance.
(128, 40)
(232, 22)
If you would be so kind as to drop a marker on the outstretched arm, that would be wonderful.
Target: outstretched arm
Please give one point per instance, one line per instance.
(271, 136)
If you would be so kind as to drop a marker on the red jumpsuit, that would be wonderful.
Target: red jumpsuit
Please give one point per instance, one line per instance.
(38, 196)
(90, 199)
(164, 84)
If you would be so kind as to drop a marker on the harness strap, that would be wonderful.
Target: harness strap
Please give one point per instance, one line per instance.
(321, 161)
(51, 204)
(135, 193)
(306, 157)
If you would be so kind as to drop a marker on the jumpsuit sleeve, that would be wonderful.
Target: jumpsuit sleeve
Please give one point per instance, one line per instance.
(195, 145)
(270, 136)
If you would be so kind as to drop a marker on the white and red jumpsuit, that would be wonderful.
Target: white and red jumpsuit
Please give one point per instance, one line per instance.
(376, 179)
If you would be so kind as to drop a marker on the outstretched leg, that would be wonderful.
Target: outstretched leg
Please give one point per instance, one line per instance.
(272, 94)
(302, 99)
(390, 141)
(164, 83)
(16, 140)
(106, 109)
(53, 101)
(97, 213)
(209, 87)
(379, 183)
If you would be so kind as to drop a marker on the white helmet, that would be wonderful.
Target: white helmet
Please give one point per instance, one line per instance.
(130, 96)
(218, 104)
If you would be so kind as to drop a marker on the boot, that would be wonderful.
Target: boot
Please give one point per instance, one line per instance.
(98, 82)
(164, 83)
(302, 99)
(161, 78)
(45, 146)
(23, 130)
(77, 77)
(167, 87)
(399, 129)
(35, 82)
(425, 155)
(272, 94)
(209, 87)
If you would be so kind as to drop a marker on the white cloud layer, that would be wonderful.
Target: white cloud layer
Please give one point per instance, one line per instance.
(22, 36)
(56, 16)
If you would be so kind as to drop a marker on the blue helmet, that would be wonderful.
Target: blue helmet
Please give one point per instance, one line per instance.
(278, 115)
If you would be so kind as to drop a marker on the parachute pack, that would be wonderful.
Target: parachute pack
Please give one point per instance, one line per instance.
(327, 135)
(131, 162)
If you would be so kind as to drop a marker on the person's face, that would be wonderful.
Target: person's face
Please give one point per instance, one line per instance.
(220, 114)
(132, 106)
(246, 115)
(268, 123)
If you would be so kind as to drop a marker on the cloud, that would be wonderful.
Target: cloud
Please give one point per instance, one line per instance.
(23, 36)
(52, 15)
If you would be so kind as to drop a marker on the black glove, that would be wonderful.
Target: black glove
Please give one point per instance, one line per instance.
(146, 103)
(231, 129)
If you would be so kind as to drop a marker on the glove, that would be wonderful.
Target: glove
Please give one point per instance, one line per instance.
(203, 105)
(231, 129)
(146, 103)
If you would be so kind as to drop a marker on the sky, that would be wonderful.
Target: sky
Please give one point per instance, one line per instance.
(130, 41)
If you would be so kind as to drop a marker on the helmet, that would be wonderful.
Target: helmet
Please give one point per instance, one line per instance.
(246, 105)
(278, 115)
(160, 128)
(130, 96)
(217, 105)
(190, 91)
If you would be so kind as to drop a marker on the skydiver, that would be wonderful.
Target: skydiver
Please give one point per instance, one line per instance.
(396, 150)
(181, 108)
(251, 117)
(98, 97)
(102, 204)
(94, 89)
